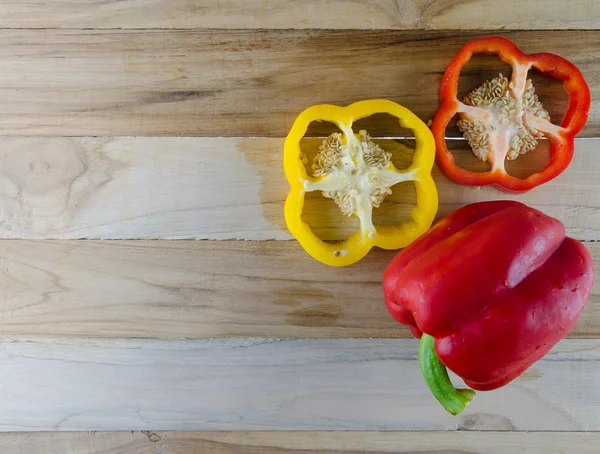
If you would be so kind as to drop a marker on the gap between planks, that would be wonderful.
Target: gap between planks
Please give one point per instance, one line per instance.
(227, 188)
(366, 14)
(183, 289)
(266, 384)
(243, 82)
(298, 442)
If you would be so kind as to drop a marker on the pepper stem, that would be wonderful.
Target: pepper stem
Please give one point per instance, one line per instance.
(436, 376)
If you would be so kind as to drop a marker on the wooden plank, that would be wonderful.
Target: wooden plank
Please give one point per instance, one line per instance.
(266, 384)
(298, 442)
(242, 82)
(226, 188)
(182, 289)
(335, 14)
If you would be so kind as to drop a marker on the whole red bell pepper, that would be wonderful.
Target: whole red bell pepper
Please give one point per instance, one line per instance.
(504, 118)
(493, 287)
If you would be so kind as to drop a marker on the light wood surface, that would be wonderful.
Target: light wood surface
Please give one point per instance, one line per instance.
(337, 14)
(299, 442)
(147, 121)
(227, 188)
(269, 384)
(188, 289)
(242, 82)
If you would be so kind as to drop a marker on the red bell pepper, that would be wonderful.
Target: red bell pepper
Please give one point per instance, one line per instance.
(494, 286)
(503, 119)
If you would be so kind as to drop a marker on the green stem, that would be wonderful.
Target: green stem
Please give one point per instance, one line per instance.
(436, 376)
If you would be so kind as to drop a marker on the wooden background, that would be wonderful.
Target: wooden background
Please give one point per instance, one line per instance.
(131, 129)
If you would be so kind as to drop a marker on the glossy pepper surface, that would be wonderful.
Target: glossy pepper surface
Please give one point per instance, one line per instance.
(357, 174)
(494, 286)
(504, 118)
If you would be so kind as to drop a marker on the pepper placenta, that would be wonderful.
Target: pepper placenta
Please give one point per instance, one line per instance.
(493, 287)
(357, 174)
(504, 118)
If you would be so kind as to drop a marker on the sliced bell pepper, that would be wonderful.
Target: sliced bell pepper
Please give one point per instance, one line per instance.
(357, 174)
(490, 289)
(503, 119)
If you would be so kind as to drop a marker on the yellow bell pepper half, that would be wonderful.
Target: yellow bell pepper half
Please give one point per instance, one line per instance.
(351, 169)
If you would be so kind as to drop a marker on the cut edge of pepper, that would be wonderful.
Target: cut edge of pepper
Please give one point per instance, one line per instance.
(561, 142)
(357, 246)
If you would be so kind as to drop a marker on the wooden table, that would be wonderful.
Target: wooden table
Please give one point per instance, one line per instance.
(130, 129)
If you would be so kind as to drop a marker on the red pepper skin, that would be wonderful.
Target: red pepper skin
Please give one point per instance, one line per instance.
(497, 284)
(561, 148)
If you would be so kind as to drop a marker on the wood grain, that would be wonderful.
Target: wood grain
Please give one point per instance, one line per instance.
(239, 82)
(267, 384)
(297, 442)
(335, 14)
(182, 289)
(225, 188)
(71, 311)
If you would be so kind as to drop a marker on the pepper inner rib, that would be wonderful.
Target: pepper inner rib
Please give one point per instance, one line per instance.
(356, 173)
(502, 120)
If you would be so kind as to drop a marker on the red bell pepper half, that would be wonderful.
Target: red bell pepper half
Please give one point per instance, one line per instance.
(503, 119)
(490, 289)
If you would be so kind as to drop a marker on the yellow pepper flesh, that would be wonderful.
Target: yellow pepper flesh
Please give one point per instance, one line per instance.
(364, 179)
